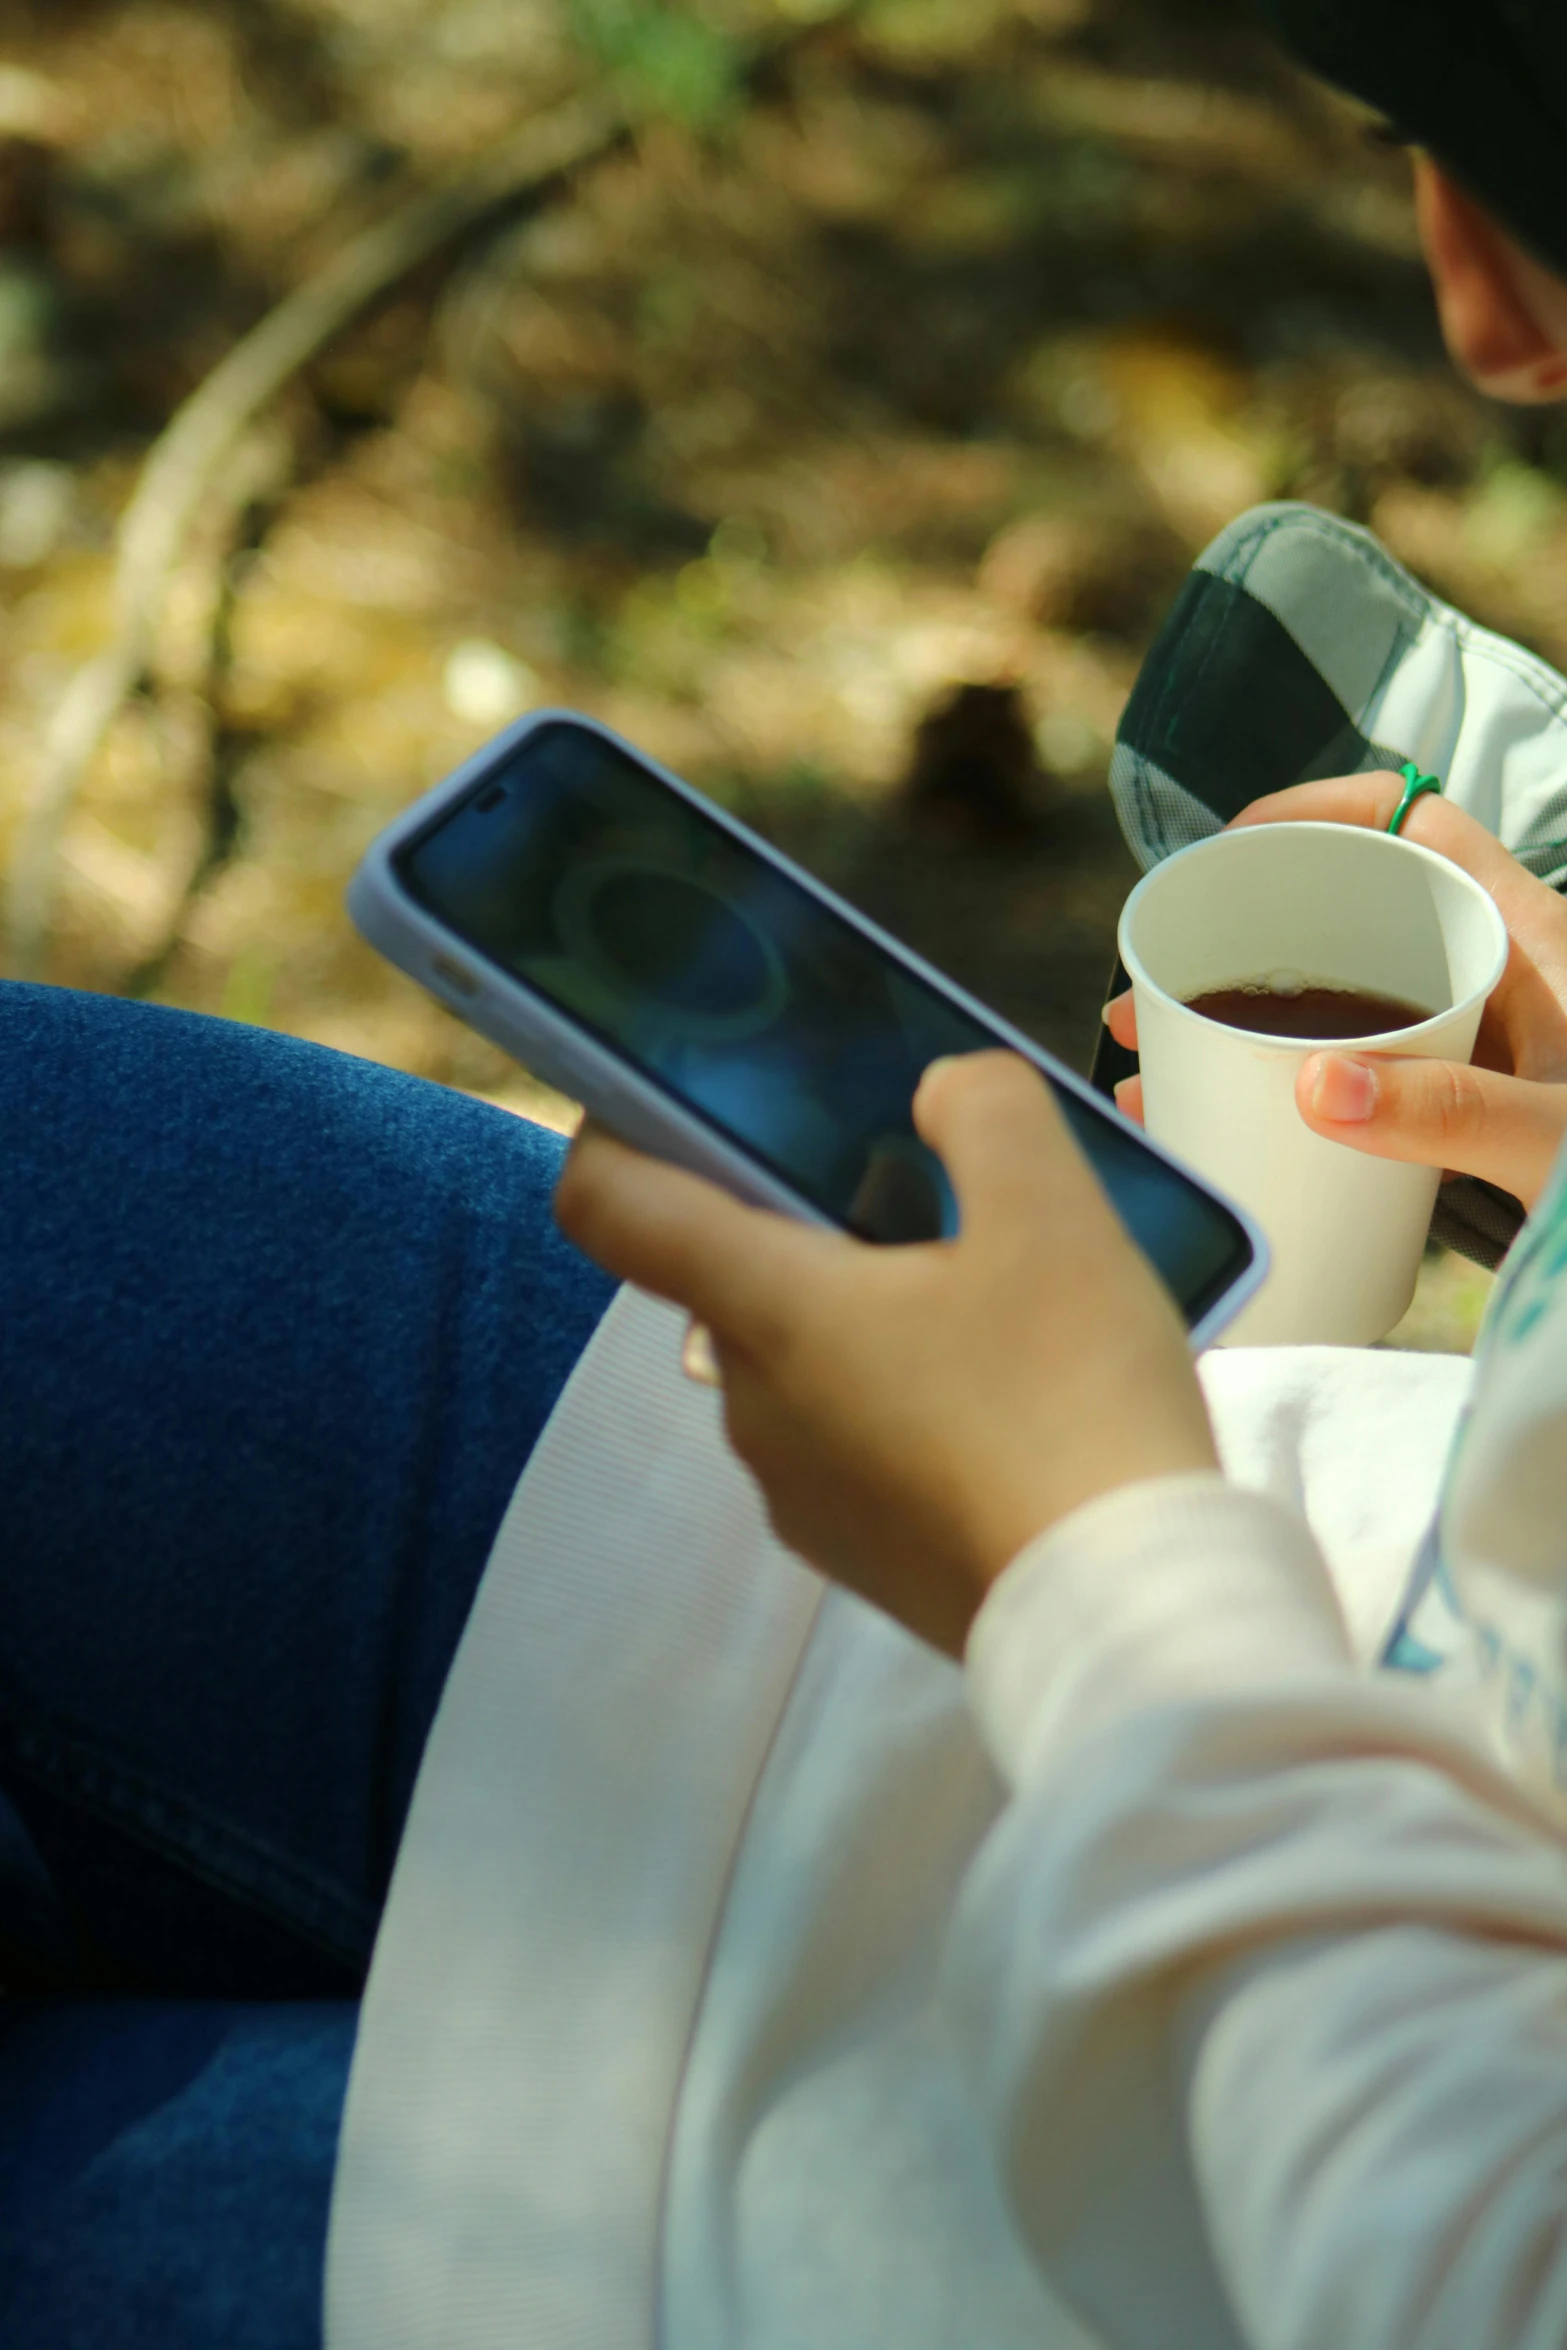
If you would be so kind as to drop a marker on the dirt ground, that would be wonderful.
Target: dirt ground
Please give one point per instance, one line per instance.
(840, 435)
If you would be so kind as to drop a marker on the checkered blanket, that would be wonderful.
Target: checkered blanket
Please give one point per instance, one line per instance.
(1298, 648)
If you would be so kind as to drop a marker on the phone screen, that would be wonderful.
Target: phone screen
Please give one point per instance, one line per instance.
(729, 983)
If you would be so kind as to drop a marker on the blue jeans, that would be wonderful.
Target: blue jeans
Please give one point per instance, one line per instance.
(278, 1331)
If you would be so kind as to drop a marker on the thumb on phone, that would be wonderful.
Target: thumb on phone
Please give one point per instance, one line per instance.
(1506, 1130)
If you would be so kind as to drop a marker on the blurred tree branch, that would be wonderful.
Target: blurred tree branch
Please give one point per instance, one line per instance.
(658, 65)
(184, 474)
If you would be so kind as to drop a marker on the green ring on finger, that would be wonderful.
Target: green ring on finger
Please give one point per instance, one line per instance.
(1414, 784)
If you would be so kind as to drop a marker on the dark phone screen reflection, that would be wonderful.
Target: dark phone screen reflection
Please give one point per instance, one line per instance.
(731, 985)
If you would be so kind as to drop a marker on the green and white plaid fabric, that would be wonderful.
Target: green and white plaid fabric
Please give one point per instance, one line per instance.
(1298, 648)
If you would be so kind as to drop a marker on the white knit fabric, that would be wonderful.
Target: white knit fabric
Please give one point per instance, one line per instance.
(662, 2040)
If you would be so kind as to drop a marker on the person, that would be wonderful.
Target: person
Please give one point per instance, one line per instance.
(742, 1970)
(1500, 1117)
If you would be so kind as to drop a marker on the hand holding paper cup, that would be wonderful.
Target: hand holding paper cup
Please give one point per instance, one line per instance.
(1278, 925)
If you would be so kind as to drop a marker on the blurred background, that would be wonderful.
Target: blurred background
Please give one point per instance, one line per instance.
(830, 397)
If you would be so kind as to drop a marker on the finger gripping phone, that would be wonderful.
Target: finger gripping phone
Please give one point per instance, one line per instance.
(642, 950)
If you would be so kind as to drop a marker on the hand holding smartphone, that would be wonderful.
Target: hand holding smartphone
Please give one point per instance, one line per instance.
(706, 1000)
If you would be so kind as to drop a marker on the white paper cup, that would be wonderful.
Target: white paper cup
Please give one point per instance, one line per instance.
(1330, 903)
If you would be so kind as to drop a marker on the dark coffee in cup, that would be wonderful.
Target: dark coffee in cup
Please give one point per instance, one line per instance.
(1309, 1011)
(1276, 910)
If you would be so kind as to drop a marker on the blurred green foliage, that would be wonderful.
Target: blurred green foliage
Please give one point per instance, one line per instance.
(670, 61)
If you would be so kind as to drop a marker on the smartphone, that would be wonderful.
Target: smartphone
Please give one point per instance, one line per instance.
(639, 948)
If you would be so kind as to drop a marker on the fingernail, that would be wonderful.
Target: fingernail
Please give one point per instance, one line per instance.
(928, 1073)
(1341, 1089)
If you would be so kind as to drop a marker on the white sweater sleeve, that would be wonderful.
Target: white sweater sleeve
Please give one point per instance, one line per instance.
(1263, 1970)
